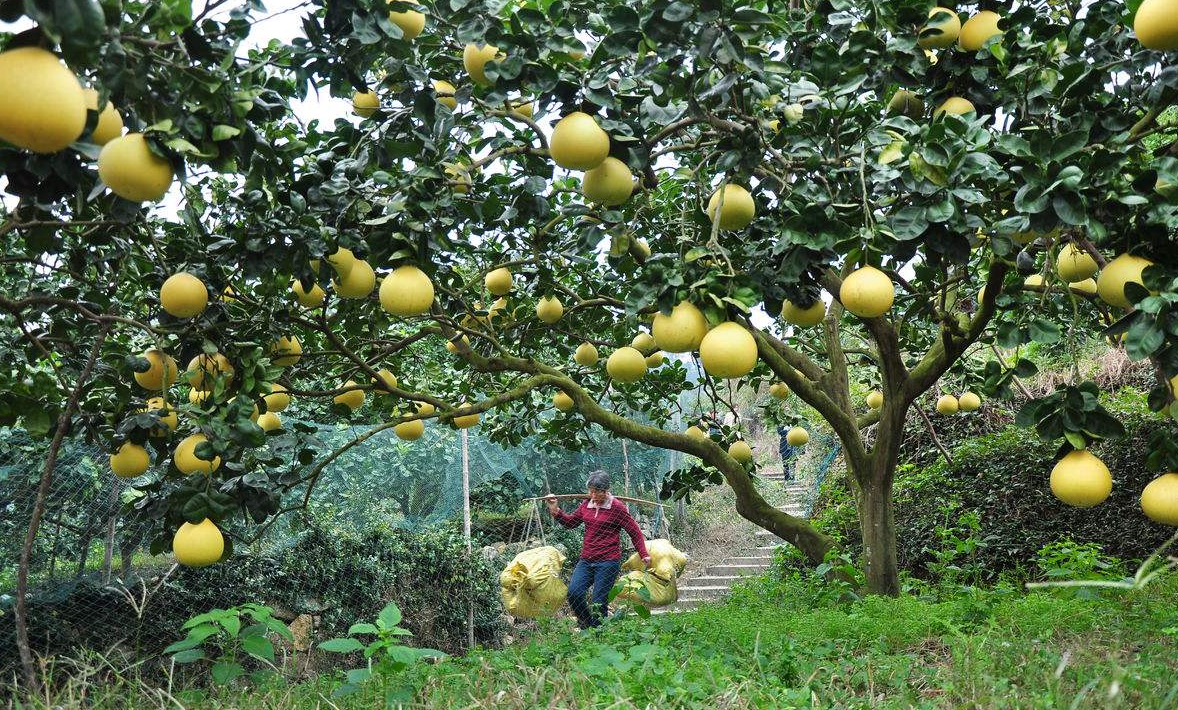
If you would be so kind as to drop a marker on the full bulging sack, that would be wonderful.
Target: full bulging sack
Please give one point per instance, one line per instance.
(530, 585)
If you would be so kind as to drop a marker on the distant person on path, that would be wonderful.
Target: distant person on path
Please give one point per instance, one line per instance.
(604, 517)
(788, 454)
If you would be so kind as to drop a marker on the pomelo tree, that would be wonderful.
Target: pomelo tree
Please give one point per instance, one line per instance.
(534, 199)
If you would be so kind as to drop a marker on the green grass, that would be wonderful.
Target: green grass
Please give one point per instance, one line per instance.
(786, 644)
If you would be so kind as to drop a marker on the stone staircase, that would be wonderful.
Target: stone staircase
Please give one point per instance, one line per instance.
(717, 579)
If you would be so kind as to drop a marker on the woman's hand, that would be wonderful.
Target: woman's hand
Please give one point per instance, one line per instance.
(646, 560)
(553, 505)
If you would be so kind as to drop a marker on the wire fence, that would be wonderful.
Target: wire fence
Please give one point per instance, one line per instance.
(387, 521)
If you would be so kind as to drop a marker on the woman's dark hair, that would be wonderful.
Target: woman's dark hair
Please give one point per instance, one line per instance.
(599, 480)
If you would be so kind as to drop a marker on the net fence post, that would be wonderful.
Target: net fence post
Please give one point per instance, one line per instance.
(626, 465)
(466, 530)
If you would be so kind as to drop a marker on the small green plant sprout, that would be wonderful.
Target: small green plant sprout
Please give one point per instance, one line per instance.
(384, 654)
(226, 636)
(1153, 567)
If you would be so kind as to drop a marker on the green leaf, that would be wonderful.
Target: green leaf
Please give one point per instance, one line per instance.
(222, 132)
(343, 645)
(389, 616)
(189, 656)
(1075, 439)
(258, 646)
(232, 624)
(224, 672)
(362, 628)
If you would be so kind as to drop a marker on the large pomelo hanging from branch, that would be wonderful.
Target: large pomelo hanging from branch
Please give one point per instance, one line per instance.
(728, 351)
(682, 330)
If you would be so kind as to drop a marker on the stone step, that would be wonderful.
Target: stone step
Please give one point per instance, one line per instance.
(738, 569)
(750, 560)
(702, 593)
(708, 581)
(767, 549)
(764, 534)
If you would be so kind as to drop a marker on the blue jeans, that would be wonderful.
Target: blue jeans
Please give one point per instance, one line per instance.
(601, 577)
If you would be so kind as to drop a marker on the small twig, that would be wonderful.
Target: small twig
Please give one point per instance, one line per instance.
(936, 439)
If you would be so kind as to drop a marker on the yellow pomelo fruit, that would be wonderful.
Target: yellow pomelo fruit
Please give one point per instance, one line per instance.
(941, 29)
(682, 331)
(1034, 281)
(1156, 24)
(42, 104)
(906, 103)
(129, 461)
(644, 343)
(779, 390)
(365, 103)
(947, 405)
(549, 309)
(353, 398)
(286, 351)
(131, 171)
(1159, 499)
(409, 431)
(797, 436)
(161, 374)
(458, 177)
(475, 59)
(425, 409)
(806, 317)
(728, 351)
(562, 401)
(696, 433)
(978, 29)
(110, 122)
(1080, 479)
(466, 421)
(576, 56)
(741, 451)
(610, 183)
(1118, 272)
(342, 260)
(186, 460)
(655, 360)
(586, 355)
(1087, 286)
(198, 545)
(738, 208)
(385, 383)
(183, 295)
(407, 291)
(278, 399)
(1074, 264)
(308, 299)
(523, 108)
(955, 105)
(269, 421)
(444, 91)
(642, 247)
(203, 368)
(166, 414)
(969, 402)
(359, 282)
(626, 365)
(867, 292)
(578, 143)
(874, 399)
(454, 348)
(498, 282)
(411, 22)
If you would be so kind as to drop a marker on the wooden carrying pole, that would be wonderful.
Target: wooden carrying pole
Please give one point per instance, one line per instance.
(586, 495)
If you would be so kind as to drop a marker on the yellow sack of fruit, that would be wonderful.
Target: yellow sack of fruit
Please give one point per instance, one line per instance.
(660, 581)
(659, 590)
(531, 586)
(664, 559)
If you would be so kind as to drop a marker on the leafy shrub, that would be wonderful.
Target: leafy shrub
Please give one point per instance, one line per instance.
(1068, 559)
(335, 576)
(1002, 478)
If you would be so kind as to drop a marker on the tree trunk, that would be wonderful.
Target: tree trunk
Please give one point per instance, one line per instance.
(878, 526)
(20, 611)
